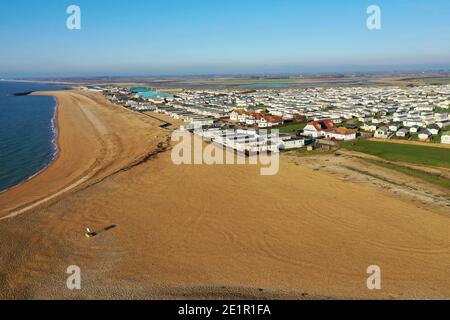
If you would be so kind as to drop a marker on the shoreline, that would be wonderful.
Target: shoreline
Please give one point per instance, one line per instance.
(54, 142)
(81, 124)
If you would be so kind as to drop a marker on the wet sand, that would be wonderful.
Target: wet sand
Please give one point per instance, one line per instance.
(205, 231)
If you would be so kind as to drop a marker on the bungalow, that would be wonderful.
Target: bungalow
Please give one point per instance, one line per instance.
(402, 133)
(445, 138)
(424, 135)
(234, 116)
(242, 117)
(382, 133)
(341, 134)
(263, 123)
(317, 129)
(274, 120)
(250, 121)
(270, 121)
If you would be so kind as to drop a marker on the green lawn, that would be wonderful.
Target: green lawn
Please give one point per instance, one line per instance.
(430, 156)
(426, 176)
(434, 138)
(292, 127)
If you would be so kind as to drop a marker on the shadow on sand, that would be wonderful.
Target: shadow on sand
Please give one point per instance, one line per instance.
(91, 234)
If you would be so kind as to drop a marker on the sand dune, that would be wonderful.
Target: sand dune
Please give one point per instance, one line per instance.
(206, 231)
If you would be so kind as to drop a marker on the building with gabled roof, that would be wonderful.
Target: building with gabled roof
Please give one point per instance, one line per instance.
(318, 129)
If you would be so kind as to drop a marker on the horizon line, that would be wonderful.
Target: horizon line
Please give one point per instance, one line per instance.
(224, 74)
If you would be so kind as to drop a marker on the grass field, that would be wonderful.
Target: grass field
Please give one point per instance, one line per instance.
(263, 81)
(292, 127)
(437, 80)
(429, 80)
(426, 176)
(311, 81)
(430, 156)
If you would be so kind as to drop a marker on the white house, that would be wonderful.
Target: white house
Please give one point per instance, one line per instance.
(312, 131)
(414, 129)
(200, 122)
(394, 127)
(434, 129)
(234, 116)
(382, 133)
(444, 104)
(263, 123)
(377, 120)
(369, 127)
(402, 133)
(293, 143)
(250, 121)
(317, 129)
(242, 117)
(445, 138)
(413, 122)
(424, 135)
(443, 124)
(341, 134)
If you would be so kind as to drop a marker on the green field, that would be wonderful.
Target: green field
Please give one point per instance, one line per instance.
(426, 176)
(437, 80)
(263, 81)
(429, 156)
(429, 80)
(292, 127)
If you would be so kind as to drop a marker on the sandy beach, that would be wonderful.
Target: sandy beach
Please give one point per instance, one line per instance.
(173, 232)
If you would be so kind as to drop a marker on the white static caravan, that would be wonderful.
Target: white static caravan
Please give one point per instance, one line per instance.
(445, 138)
(293, 143)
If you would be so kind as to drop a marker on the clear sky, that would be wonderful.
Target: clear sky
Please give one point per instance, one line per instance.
(154, 37)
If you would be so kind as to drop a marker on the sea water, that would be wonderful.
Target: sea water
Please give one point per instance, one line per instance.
(28, 132)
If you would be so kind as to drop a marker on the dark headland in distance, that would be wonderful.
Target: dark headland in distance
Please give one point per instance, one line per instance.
(19, 94)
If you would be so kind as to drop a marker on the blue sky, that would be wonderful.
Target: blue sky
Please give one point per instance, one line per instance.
(153, 37)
